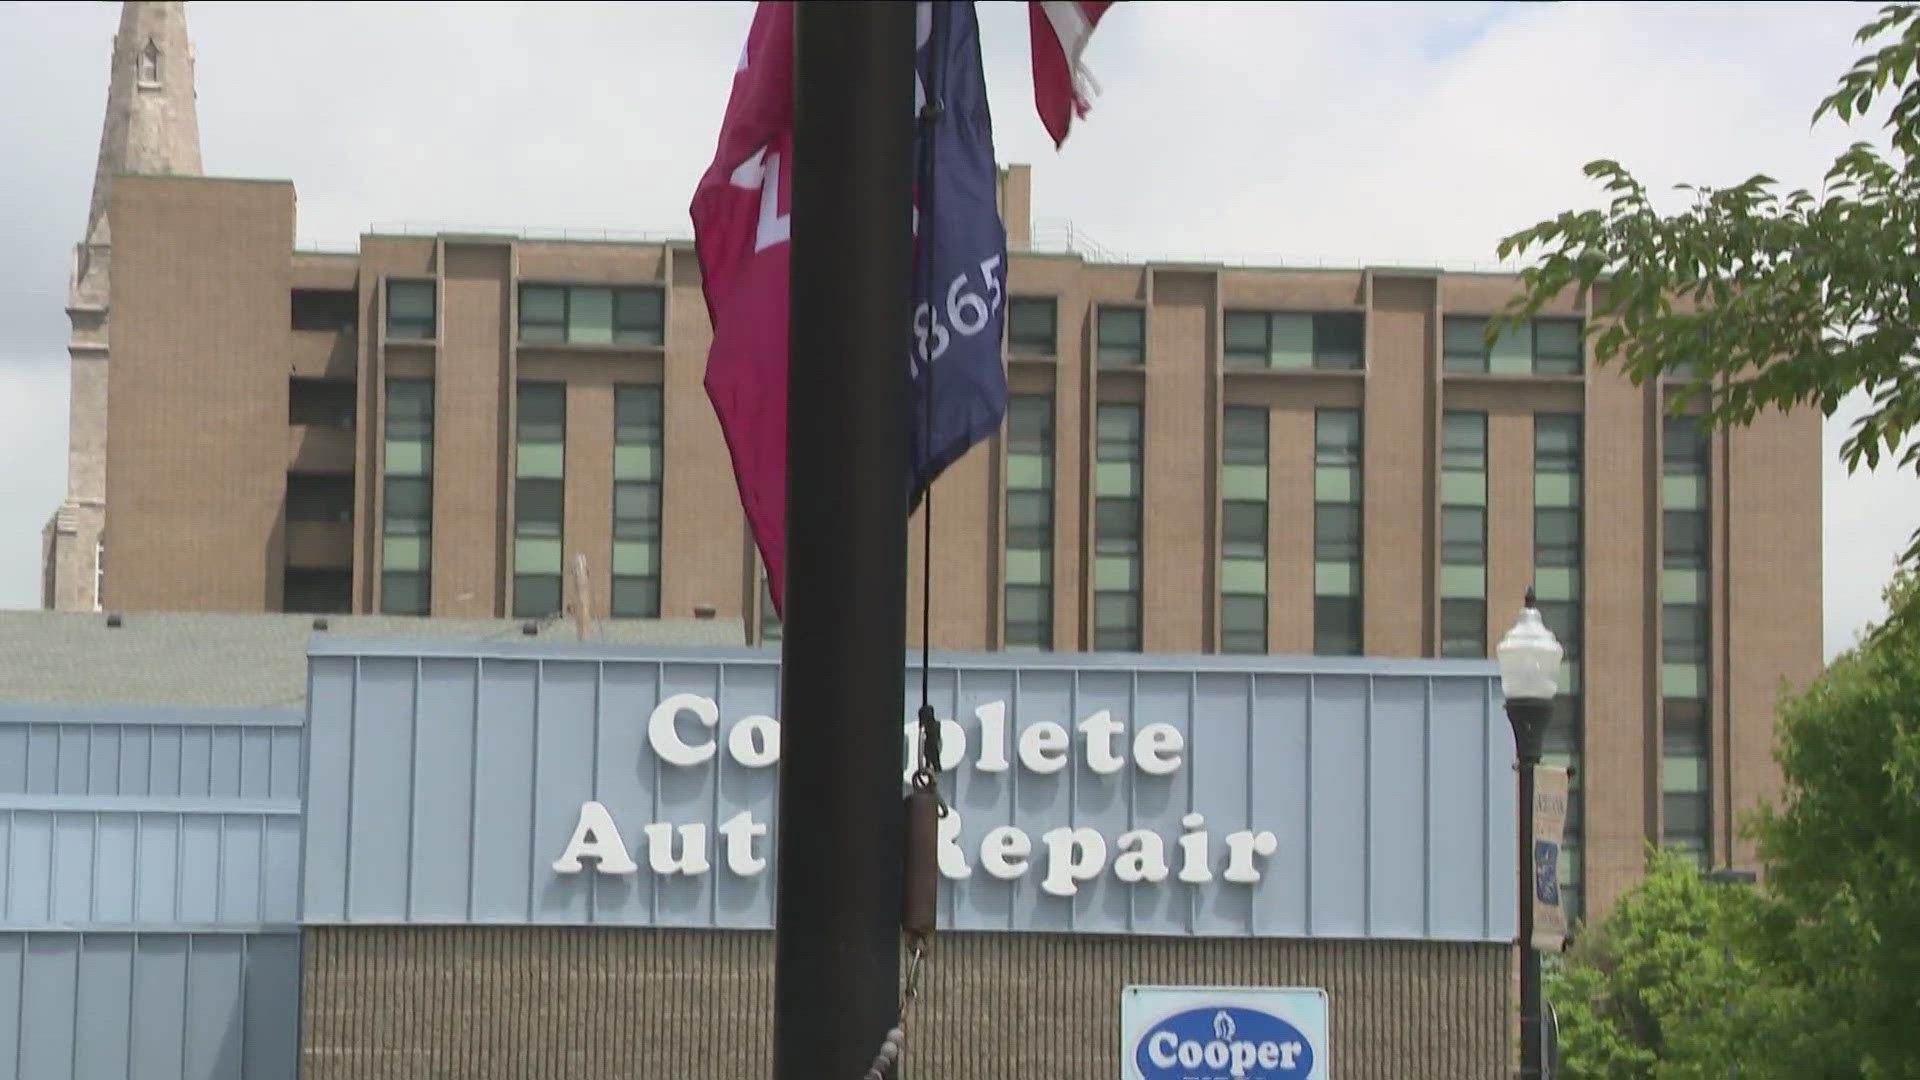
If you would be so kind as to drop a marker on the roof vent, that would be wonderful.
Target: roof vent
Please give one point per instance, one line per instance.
(319, 624)
(704, 611)
(530, 628)
(113, 619)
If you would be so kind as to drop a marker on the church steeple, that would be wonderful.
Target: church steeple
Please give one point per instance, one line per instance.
(152, 125)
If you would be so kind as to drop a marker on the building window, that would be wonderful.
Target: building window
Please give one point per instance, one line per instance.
(329, 310)
(1463, 538)
(411, 311)
(1556, 347)
(1557, 573)
(406, 542)
(539, 498)
(638, 443)
(1029, 574)
(1685, 639)
(1122, 336)
(1243, 530)
(1336, 532)
(1538, 347)
(150, 64)
(309, 590)
(1117, 526)
(1330, 341)
(320, 498)
(592, 315)
(320, 402)
(1031, 324)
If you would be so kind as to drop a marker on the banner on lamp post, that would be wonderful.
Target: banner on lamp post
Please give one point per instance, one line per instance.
(1549, 828)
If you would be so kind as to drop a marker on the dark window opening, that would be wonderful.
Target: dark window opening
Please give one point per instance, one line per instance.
(320, 402)
(404, 592)
(1336, 625)
(320, 498)
(536, 596)
(310, 591)
(1463, 627)
(326, 309)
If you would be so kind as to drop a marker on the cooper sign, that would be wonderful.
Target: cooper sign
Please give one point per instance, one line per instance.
(1246, 1033)
(685, 731)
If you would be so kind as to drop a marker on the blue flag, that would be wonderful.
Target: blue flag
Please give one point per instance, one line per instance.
(960, 258)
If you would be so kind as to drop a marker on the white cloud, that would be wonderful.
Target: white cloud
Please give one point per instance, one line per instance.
(1387, 132)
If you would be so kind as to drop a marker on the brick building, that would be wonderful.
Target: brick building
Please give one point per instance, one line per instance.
(1197, 458)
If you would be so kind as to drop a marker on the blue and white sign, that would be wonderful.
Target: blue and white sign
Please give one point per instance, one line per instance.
(1223, 1033)
(1192, 796)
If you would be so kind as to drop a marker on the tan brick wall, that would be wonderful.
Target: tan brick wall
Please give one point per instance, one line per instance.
(509, 1003)
(705, 542)
(472, 432)
(1178, 428)
(1622, 648)
(1773, 589)
(1395, 508)
(196, 402)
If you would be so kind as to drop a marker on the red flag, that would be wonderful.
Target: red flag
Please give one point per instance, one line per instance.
(1060, 84)
(741, 219)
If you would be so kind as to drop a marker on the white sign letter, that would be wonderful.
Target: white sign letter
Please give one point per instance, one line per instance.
(1100, 728)
(693, 856)
(1073, 855)
(595, 837)
(1004, 852)
(755, 741)
(953, 861)
(1043, 747)
(993, 737)
(665, 739)
(1193, 850)
(740, 829)
(1241, 848)
(1156, 749)
(1143, 857)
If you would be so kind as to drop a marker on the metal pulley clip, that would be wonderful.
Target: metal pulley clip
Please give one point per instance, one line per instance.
(924, 808)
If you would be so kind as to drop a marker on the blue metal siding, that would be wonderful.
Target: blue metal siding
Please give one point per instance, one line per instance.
(443, 784)
(128, 818)
(149, 1006)
(123, 833)
(152, 867)
(129, 751)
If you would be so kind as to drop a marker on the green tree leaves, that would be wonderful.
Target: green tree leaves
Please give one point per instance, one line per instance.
(1812, 975)
(1658, 991)
(1752, 298)
(1843, 849)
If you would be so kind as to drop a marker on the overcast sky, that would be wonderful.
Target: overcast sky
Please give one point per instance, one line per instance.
(1360, 132)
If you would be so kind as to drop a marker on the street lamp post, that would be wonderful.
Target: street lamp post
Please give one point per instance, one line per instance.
(1529, 678)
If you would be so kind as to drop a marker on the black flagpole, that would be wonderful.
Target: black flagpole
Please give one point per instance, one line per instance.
(843, 660)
